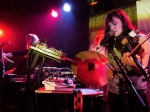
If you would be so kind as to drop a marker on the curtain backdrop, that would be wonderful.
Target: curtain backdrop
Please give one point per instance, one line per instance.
(143, 12)
(143, 15)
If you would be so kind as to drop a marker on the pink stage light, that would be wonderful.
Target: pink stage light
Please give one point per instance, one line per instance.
(54, 13)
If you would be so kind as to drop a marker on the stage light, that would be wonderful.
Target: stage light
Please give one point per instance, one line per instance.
(54, 13)
(66, 7)
(2, 33)
(93, 2)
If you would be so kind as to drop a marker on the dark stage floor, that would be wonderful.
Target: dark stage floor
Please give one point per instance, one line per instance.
(12, 99)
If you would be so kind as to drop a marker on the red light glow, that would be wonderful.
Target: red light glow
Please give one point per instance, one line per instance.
(2, 33)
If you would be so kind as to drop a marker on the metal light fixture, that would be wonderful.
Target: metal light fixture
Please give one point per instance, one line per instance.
(93, 2)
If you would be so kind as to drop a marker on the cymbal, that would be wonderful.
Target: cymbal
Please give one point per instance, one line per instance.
(90, 68)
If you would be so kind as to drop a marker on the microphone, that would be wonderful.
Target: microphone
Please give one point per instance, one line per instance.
(107, 37)
(1, 44)
(4, 43)
(2, 66)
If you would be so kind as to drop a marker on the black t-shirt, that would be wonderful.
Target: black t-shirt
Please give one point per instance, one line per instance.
(28, 61)
(21, 64)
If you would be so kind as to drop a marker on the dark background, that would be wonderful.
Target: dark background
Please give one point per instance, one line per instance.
(69, 32)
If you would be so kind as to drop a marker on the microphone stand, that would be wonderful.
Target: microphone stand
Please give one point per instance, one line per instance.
(2, 67)
(124, 73)
(147, 76)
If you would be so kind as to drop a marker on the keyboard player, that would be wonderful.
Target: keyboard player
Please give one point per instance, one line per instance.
(20, 68)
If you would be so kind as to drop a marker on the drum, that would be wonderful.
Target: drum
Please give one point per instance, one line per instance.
(86, 99)
(90, 92)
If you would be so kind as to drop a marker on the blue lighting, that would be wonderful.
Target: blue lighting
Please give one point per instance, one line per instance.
(67, 7)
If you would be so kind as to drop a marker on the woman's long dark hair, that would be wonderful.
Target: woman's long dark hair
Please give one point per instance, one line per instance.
(120, 14)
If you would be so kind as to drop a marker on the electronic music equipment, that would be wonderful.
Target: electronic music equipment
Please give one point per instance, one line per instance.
(51, 53)
(55, 71)
(47, 52)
